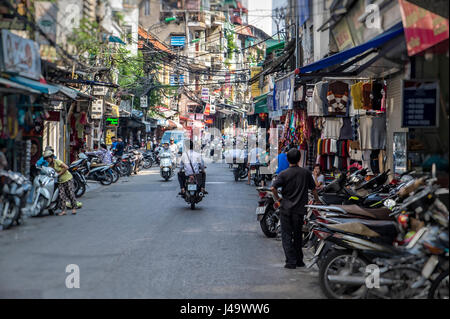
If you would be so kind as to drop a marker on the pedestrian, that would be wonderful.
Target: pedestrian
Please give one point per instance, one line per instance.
(3, 159)
(294, 182)
(65, 183)
(282, 160)
(42, 162)
(120, 146)
(319, 179)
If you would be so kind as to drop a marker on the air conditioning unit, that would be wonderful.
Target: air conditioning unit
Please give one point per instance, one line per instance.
(97, 109)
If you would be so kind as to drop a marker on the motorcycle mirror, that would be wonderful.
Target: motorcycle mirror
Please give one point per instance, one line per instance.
(389, 203)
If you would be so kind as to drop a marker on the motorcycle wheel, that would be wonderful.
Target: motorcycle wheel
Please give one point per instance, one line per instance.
(148, 163)
(236, 176)
(114, 175)
(244, 173)
(267, 223)
(106, 179)
(439, 287)
(13, 214)
(80, 187)
(192, 206)
(340, 262)
(405, 277)
(41, 204)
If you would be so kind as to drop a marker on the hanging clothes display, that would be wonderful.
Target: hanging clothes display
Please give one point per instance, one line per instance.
(337, 98)
(332, 127)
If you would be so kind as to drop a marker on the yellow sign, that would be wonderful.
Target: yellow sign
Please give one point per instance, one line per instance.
(109, 133)
(256, 91)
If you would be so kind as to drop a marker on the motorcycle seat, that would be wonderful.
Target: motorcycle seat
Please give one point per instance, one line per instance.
(353, 228)
(387, 229)
(373, 213)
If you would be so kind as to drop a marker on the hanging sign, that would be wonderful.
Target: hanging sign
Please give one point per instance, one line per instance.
(144, 100)
(97, 109)
(20, 56)
(207, 109)
(420, 103)
(422, 28)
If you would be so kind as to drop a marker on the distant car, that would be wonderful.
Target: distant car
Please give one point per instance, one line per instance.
(178, 136)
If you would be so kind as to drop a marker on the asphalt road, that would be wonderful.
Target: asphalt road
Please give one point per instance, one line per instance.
(137, 239)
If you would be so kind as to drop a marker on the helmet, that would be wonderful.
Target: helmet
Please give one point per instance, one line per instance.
(172, 139)
(47, 153)
(48, 148)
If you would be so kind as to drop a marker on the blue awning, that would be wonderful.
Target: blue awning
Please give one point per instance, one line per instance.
(340, 57)
(35, 85)
(11, 84)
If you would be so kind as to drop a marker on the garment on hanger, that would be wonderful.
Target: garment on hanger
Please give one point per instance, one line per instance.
(365, 132)
(346, 129)
(332, 127)
(337, 97)
(333, 146)
(367, 92)
(377, 88)
(356, 91)
(381, 156)
(383, 99)
(355, 151)
(320, 89)
(311, 107)
(366, 161)
(378, 133)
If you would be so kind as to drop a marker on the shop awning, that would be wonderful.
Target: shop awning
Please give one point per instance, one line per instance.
(274, 47)
(36, 85)
(11, 84)
(261, 104)
(340, 57)
(72, 93)
(115, 39)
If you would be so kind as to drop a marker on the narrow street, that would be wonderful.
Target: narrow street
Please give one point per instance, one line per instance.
(137, 239)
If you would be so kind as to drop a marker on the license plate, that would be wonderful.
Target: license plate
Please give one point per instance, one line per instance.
(430, 266)
(165, 169)
(235, 165)
(253, 171)
(260, 210)
(192, 187)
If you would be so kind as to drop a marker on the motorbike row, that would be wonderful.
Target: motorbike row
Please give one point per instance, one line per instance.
(370, 239)
(16, 189)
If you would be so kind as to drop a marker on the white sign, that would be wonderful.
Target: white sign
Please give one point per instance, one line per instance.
(97, 109)
(20, 56)
(144, 101)
(99, 90)
(205, 94)
(212, 109)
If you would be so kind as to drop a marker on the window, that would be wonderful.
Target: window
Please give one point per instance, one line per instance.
(147, 8)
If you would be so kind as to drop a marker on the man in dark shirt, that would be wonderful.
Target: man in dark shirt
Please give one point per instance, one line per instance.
(295, 183)
(119, 148)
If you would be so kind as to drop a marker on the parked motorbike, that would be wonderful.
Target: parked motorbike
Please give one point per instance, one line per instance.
(45, 192)
(13, 197)
(268, 213)
(148, 160)
(79, 180)
(411, 250)
(166, 165)
(99, 173)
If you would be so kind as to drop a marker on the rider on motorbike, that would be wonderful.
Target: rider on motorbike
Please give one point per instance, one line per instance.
(173, 147)
(103, 154)
(191, 164)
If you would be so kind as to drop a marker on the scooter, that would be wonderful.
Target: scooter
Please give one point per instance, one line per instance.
(14, 193)
(165, 165)
(46, 193)
(100, 173)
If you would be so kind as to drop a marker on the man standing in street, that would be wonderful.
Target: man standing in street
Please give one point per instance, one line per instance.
(295, 183)
(120, 146)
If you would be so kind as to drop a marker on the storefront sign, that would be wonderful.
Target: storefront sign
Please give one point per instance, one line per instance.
(420, 103)
(256, 91)
(199, 116)
(207, 110)
(191, 116)
(284, 93)
(422, 28)
(342, 35)
(97, 109)
(20, 56)
(99, 90)
(112, 122)
(205, 94)
(212, 109)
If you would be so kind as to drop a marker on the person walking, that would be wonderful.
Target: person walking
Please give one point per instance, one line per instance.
(282, 160)
(295, 183)
(65, 183)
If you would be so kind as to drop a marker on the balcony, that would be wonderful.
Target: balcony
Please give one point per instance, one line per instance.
(218, 19)
(197, 20)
